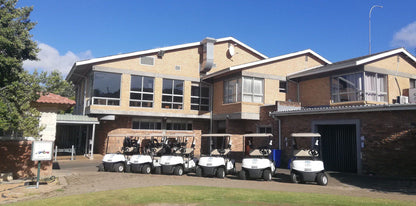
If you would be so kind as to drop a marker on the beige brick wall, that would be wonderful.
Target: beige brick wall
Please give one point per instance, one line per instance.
(390, 63)
(315, 92)
(223, 60)
(394, 90)
(287, 66)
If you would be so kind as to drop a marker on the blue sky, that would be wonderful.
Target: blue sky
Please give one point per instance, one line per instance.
(68, 31)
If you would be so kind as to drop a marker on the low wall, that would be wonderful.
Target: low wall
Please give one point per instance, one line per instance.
(15, 157)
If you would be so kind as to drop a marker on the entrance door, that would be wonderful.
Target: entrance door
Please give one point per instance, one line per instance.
(339, 147)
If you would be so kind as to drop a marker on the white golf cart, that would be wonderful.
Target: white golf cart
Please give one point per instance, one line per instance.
(218, 163)
(149, 159)
(117, 162)
(257, 164)
(181, 159)
(306, 164)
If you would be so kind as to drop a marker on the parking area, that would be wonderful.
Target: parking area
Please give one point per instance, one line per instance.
(81, 176)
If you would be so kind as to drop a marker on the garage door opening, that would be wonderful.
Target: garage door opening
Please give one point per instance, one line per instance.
(339, 147)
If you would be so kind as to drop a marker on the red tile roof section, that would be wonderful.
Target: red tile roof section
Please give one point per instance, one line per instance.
(54, 99)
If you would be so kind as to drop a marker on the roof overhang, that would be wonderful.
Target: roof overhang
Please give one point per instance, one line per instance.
(345, 109)
(75, 119)
(349, 63)
(86, 64)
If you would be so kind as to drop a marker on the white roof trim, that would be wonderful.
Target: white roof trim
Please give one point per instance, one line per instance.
(279, 58)
(242, 44)
(180, 46)
(352, 63)
(386, 54)
(242, 66)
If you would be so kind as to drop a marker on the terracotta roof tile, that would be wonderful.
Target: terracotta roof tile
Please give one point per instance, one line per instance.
(54, 99)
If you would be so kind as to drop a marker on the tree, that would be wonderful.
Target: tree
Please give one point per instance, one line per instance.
(17, 117)
(54, 83)
(17, 88)
(16, 45)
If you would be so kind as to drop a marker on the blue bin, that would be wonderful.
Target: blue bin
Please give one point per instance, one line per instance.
(275, 156)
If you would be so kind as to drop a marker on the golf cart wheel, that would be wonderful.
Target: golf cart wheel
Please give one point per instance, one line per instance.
(243, 175)
(146, 169)
(322, 179)
(128, 168)
(118, 167)
(101, 167)
(158, 170)
(198, 172)
(267, 175)
(220, 173)
(294, 177)
(178, 171)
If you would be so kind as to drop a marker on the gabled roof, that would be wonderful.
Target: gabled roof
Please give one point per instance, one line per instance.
(54, 99)
(144, 52)
(265, 61)
(350, 63)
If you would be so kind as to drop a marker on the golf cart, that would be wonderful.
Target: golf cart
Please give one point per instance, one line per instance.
(149, 158)
(257, 164)
(218, 163)
(306, 164)
(181, 159)
(117, 162)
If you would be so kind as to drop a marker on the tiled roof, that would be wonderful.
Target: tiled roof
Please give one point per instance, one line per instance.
(54, 99)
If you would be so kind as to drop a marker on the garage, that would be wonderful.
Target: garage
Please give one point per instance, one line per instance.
(339, 150)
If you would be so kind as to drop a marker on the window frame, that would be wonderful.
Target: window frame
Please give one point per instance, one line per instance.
(236, 95)
(106, 100)
(142, 93)
(140, 121)
(252, 94)
(173, 95)
(200, 98)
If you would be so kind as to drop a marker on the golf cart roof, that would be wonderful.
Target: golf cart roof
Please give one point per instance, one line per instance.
(215, 135)
(258, 135)
(306, 135)
(178, 135)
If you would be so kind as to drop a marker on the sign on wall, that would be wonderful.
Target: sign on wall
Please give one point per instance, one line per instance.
(42, 150)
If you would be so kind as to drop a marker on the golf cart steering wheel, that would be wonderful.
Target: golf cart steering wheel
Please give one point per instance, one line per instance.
(313, 152)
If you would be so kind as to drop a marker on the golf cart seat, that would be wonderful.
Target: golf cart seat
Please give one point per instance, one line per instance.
(157, 149)
(255, 152)
(301, 153)
(217, 152)
(188, 150)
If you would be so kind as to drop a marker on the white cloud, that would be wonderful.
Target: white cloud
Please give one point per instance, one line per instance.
(406, 37)
(50, 59)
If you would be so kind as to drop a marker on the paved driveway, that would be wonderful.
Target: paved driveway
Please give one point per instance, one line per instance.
(81, 176)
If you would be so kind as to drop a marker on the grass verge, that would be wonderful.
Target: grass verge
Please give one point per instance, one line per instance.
(200, 195)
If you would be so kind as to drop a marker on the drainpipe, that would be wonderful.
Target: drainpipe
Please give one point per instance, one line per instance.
(279, 123)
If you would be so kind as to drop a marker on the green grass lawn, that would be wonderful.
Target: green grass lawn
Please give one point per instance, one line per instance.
(207, 196)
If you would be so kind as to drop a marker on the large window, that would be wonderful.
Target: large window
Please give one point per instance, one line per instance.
(178, 125)
(148, 124)
(375, 87)
(172, 97)
(358, 87)
(232, 91)
(106, 88)
(199, 97)
(252, 89)
(141, 91)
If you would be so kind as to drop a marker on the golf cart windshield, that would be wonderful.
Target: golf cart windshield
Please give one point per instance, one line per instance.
(306, 144)
(259, 144)
(220, 144)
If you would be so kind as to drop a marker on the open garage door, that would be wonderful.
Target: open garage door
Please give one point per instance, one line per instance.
(339, 147)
